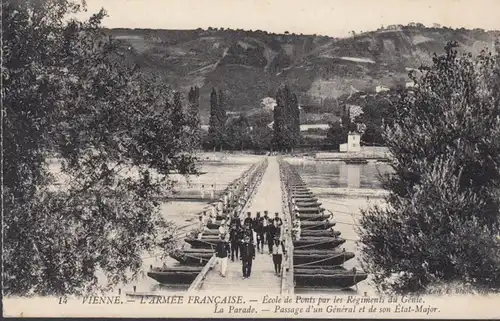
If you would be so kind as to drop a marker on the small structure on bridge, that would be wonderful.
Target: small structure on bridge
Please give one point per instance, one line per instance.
(353, 143)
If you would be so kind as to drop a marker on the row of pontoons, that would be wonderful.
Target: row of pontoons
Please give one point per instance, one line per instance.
(198, 246)
(317, 257)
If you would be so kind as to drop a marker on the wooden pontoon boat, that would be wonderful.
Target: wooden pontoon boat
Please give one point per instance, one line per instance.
(175, 275)
(321, 257)
(328, 277)
(318, 243)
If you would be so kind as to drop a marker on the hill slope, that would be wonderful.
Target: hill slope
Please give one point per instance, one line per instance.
(250, 65)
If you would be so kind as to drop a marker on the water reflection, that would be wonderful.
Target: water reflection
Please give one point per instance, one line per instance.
(339, 174)
(363, 179)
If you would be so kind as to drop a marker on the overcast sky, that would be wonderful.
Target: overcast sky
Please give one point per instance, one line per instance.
(325, 17)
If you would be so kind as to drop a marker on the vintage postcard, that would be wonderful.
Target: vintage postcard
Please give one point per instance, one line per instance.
(278, 159)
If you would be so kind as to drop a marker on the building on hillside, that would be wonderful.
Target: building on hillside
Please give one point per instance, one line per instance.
(353, 143)
(381, 88)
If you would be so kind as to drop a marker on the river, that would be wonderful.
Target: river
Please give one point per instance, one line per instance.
(344, 189)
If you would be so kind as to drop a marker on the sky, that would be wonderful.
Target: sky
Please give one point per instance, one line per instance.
(323, 17)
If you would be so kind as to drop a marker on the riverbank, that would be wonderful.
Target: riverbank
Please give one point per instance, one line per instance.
(346, 192)
(365, 153)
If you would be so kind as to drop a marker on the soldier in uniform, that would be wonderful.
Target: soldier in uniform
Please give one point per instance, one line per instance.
(247, 256)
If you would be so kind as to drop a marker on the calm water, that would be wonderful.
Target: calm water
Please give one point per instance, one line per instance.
(362, 190)
(338, 174)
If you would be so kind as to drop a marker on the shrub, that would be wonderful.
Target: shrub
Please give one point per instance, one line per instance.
(441, 220)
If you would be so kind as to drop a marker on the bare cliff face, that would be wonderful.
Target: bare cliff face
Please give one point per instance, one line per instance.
(250, 65)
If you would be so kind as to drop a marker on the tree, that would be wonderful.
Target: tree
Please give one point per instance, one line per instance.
(286, 120)
(377, 113)
(346, 119)
(194, 103)
(261, 137)
(337, 134)
(69, 94)
(217, 122)
(221, 109)
(373, 134)
(238, 134)
(193, 114)
(177, 112)
(295, 118)
(213, 124)
(338, 131)
(441, 221)
(279, 124)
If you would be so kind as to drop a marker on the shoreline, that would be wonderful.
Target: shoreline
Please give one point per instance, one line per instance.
(347, 192)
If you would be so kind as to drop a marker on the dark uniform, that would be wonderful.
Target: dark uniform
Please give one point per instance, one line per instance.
(247, 256)
(235, 238)
(240, 237)
(259, 230)
(248, 219)
(271, 233)
(235, 220)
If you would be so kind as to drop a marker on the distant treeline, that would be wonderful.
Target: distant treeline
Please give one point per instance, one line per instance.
(178, 35)
(281, 131)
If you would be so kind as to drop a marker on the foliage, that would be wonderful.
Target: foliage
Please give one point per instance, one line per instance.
(441, 221)
(218, 118)
(262, 133)
(194, 104)
(286, 117)
(238, 134)
(378, 111)
(338, 131)
(193, 115)
(237, 55)
(68, 94)
(245, 133)
(337, 134)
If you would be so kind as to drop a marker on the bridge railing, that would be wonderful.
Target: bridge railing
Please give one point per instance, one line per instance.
(287, 277)
(198, 281)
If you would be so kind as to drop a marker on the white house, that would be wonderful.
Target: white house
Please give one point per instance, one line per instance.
(381, 88)
(353, 143)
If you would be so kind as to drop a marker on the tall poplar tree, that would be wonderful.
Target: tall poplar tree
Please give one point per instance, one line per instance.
(295, 122)
(213, 121)
(279, 140)
(217, 122)
(221, 114)
(286, 120)
(193, 114)
(194, 104)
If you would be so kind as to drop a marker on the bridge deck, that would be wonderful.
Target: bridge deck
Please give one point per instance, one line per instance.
(262, 279)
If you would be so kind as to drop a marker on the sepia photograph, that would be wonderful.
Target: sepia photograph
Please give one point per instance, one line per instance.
(252, 158)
